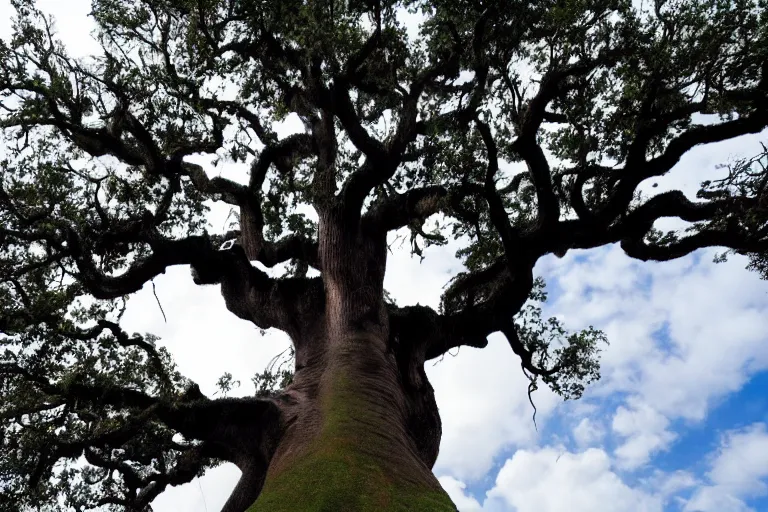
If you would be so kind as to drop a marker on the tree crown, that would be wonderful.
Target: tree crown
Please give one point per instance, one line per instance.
(525, 128)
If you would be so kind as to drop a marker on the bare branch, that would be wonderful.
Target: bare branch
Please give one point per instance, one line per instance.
(283, 154)
(229, 191)
(637, 171)
(400, 210)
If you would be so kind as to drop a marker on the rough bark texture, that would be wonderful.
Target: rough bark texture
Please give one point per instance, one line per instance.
(350, 446)
(360, 427)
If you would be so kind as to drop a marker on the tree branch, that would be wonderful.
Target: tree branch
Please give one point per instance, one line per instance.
(192, 414)
(526, 357)
(341, 105)
(383, 159)
(228, 191)
(400, 210)
(245, 431)
(637, 248)
(283, 155)
(637, 171)
(165, 253)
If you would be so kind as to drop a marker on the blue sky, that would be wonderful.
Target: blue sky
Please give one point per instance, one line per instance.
(679, 421)
(645, 448)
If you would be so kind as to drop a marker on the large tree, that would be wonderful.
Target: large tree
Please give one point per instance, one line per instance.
(524, 128)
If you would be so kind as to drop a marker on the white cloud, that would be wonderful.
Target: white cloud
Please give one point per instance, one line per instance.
(676, 347)
(716, 317)
(72, 24)
(552, 480)
(204, 337)
(715, 314)
(411, 281)
(456, 490)
(481, 394)
(739, 470)
(588, 433)
(669, 484)
(743, 460)
(644, 431)
(717, 339)
(549, 480)
(715, 499)
(483, 401)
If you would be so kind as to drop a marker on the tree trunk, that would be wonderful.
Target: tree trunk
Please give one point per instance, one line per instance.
(348, 449)
(361, 427)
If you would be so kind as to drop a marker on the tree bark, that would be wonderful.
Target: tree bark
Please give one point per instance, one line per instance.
(349, 447)
(361, 428)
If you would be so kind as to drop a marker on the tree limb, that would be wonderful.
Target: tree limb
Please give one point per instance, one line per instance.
(400, 210)
(637, 171)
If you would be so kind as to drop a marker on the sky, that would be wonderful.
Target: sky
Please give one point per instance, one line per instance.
(678, 422)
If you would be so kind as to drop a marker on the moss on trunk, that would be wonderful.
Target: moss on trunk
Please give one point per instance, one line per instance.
(357, 463)
(343, 480)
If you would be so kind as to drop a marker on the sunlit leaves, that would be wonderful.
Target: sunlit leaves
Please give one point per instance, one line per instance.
(576, 355)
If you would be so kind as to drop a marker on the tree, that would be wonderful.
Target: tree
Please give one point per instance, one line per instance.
(525, 128)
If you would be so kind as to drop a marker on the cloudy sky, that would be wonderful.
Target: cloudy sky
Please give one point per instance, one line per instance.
(679, 421)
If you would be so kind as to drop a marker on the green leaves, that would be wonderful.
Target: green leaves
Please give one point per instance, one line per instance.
(746, 189)
(276, 376)
(48, 419)
(227, 383)
(574, 355)
(583, 100)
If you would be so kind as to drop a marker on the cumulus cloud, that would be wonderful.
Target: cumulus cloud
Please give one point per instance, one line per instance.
(676, 347)
(644, 431)
(717, 339)
(552, 480)
(483, 401)
(668, 485)
(674, 343)
(739, 470)
(456, 489)
(588, 433)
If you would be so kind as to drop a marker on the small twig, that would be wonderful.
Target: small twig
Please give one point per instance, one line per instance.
(205, 504)
(273, 361)
(531, 388)
(154, 291)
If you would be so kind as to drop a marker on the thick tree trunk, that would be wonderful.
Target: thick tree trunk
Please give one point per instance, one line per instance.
(348, 448)
(361, 427)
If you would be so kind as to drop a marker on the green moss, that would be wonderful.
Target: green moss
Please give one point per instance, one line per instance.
(334, 475)
(343, 482)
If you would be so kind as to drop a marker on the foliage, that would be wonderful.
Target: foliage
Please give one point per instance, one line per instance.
(275, 376)
(517, 128)
(575, 354)
(746, 177)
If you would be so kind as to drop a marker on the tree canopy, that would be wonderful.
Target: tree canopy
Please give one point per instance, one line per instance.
(519, 128)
